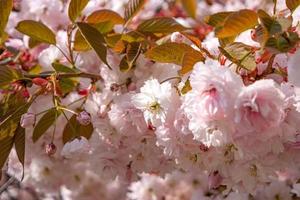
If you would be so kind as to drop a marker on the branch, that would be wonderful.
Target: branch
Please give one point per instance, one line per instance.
(6, 184)
(66, 75)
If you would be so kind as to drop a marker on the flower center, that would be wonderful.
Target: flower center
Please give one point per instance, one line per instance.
(154, 107)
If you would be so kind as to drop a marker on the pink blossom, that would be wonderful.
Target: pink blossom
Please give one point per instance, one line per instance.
(259, 106)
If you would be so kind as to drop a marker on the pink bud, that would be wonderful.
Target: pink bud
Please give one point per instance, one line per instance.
(84, 118)
(223, 60)
(83, 92)
(25, 93)
(50, 149)
(27, 120)
(40, 81)
(131, 87)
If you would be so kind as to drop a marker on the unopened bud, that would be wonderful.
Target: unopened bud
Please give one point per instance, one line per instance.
(84, 118)
(25, 93)
(83, 92)
(40, 81)
(50, 149)
(27, 120)
(293, 50)
(131, 87)
(223, 60)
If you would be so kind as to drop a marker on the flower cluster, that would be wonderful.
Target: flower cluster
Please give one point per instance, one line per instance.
(108, 104)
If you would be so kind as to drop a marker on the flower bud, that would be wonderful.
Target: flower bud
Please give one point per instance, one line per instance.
(83, 92)
(40, 81)
(27, 120)
(84, 118)
(131, 87)
(222, 60)
(50, 149)
(25, 93)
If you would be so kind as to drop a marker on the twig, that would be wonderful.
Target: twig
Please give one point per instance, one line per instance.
(6, 184)
(66, 75)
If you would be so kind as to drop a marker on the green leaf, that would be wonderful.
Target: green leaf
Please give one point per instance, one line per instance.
(35, 69)
(168, 53)
(44, 123)
(62, 68)
(104, 16)
(33, 43)
(133, 36)
(225, 41)
(66, 84)
(19, 141)
(269, 23)
(37, 30)
(3, 38)
(190, 7)
(104, 27)
(75, 8)
(187, 87)
(73, 129)
(237, 23)
(217, 19)
(160, 25)
(5, 9)
(189, 60)
(177, 53)
(240, 54)
(113, 39)
(193, 38)
(6, 146)
(7, 76)
(124, 66)
(12, 108)
(132, 8)
(133, 51)
(79, 42)
(115, 43)
(283, 43)
(292, 4)
(95, 39)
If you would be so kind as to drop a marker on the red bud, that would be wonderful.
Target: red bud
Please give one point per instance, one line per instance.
(40, 81)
